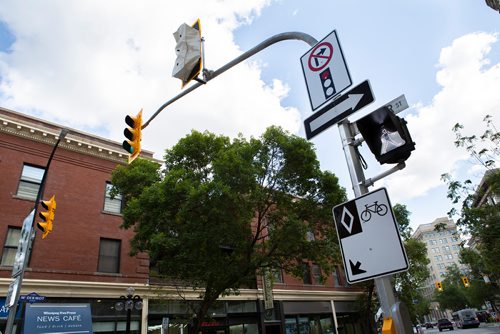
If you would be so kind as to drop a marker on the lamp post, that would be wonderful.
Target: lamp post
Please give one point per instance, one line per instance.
(129, 302)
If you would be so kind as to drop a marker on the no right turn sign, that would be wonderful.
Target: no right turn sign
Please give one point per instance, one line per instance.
(325, 71)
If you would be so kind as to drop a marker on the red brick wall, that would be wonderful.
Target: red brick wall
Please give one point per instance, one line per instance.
(78, 181)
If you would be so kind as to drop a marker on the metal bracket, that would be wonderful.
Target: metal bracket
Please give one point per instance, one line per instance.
(369, 182)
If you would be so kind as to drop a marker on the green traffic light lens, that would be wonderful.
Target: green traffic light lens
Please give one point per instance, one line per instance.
(127, 147)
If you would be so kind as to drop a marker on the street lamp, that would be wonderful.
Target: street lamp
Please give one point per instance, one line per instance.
(129, 302)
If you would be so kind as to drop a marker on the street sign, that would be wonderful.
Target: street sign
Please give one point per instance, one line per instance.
(345, 105)
(325, 70)
(369, 237)
(22, 248)
(12, 292)
(397, 105)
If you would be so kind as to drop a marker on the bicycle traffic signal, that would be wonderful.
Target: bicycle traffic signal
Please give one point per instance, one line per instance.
(134, 135)
(439, 286)
(48, 216)
(386, 135)
(465, 281)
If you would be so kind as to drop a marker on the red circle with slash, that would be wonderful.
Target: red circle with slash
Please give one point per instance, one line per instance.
(320, 56)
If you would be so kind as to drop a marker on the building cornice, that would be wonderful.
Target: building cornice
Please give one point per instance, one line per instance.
(83, 289)
(41, 131)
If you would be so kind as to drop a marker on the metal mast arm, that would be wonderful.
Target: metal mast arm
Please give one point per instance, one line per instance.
(212, 74)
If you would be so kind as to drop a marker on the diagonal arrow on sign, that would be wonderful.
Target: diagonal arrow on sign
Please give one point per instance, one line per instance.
(356, 268)
(345, 105)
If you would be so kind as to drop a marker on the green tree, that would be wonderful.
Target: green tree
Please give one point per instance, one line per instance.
(418, 272)
(222, 211)
(479, 290)
(454, 295)
(478, 218)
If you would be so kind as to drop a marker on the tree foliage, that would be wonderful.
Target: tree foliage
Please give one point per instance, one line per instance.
(453, 296)
(477, 218)
(222, 211)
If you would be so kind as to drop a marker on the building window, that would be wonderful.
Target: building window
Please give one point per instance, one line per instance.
(306, 273)
(113, 205)
(10, 246)
(29, 184)
(316, 274)
(109, 256)
(277, 275)
(336, 277)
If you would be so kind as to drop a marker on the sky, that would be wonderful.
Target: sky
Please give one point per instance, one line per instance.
(87, 64)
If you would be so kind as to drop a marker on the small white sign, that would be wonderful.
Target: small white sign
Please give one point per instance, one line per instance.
(369, 237)
(24, 241)
(12, 292)
(325, 71)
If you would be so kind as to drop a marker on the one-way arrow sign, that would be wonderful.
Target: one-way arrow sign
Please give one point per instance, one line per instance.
(350, 102)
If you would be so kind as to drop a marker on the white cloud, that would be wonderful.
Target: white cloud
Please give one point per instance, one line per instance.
(88, 64)
(469, 92)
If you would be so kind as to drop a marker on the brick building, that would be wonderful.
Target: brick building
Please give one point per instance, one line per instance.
(86, 257)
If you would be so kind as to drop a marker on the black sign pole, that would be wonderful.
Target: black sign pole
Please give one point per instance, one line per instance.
(13, 309)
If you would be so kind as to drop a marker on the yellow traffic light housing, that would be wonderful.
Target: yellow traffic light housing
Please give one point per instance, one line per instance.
(439, 286)
(465, 281)
(133, 133)
(48, 216)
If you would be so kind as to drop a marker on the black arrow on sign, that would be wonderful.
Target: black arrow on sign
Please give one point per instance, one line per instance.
(355, 268)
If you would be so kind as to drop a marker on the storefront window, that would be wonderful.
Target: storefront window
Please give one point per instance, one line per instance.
(312, 324)
(241, 306)
(304, 325)
(244, 329)
(326, 325)
(291, 326)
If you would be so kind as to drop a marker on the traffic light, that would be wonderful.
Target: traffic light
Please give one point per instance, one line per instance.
(48, 216)
(188, 49)
(439, 286)
(386, 135)
(465, 281)
(134, 135)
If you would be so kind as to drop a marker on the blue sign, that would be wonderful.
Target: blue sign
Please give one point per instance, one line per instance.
(32, 298)
(4, 310)
(58, 318)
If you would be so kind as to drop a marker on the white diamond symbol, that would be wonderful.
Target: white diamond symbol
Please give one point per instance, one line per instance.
(348, 225)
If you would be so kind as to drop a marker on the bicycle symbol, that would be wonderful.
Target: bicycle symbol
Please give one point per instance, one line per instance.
(380, 209)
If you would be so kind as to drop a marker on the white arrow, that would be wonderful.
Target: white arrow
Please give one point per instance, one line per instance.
(350, 103)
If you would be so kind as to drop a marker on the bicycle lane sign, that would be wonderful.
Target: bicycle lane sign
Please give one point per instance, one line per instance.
(369, 237)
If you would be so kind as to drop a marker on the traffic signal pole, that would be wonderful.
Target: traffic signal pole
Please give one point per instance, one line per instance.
(209, 75)
(19, 276)
(385, 291)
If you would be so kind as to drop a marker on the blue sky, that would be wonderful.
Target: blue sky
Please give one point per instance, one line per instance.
(88, 64)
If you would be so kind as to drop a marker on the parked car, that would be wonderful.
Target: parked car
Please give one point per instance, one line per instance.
(444, 324)
(428, 325)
